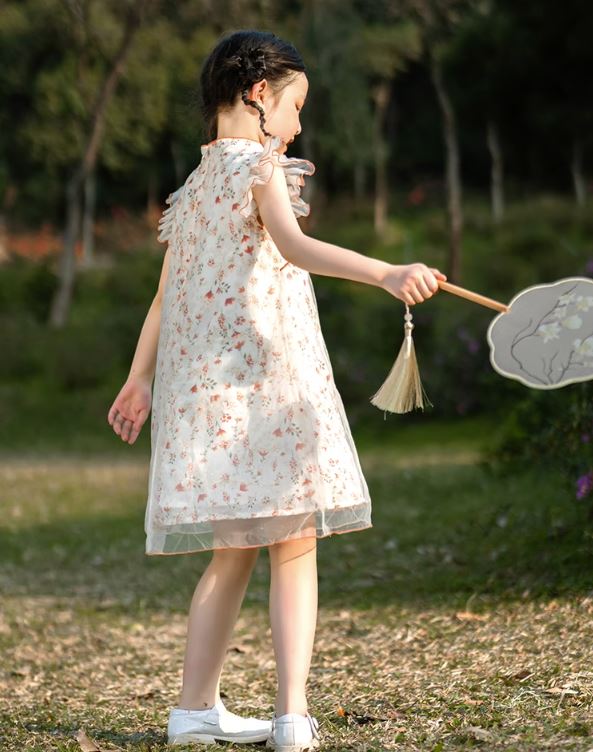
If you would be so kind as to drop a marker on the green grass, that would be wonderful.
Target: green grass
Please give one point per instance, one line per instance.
(463, 618)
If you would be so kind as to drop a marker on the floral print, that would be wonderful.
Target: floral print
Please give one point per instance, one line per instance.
(250, 440)
(545, 339)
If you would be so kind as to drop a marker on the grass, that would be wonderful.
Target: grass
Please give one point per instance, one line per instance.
(462, 619)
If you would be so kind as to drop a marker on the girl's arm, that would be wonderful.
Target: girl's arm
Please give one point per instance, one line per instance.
(144, 361)
(411, 283)
(132, 405)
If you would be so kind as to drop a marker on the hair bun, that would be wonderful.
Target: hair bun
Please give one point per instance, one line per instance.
(251, 65)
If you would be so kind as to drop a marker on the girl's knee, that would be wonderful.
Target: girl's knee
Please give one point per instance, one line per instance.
(288, 549)
(235, 557)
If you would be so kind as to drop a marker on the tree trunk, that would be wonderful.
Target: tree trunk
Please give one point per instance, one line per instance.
(453, 176)
(3, 239)
(496, 172)
(88, 219)
(381, 97)
(8, 201)
(359, 178)
(60, 306)
(178, 163)
(578, 177)
(152, 192)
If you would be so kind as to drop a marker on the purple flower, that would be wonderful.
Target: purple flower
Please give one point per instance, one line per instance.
(585, 438)
(584, 485)
(589, 266)
(473, 345)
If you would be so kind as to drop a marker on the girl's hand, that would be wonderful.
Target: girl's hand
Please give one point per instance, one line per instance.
(412, 283)
(130, 409)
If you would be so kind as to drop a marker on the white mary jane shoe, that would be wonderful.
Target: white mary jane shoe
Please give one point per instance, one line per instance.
(292, 732)
(215, 724)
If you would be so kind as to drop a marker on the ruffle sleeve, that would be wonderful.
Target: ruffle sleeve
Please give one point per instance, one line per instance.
(261, 170)
(165, 225)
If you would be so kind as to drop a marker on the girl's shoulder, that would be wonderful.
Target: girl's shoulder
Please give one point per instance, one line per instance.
(260, 167)
(249, 163)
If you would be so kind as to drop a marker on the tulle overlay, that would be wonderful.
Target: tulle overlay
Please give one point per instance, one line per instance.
(250, 441)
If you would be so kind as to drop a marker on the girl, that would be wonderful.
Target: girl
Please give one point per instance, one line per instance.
(250, 442)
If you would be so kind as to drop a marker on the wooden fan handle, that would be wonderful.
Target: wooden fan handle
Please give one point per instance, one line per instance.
(473, 296)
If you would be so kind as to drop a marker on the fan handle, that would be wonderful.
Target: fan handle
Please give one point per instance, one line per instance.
(473, 296)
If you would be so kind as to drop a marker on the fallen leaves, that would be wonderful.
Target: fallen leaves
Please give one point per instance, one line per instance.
(86, 744)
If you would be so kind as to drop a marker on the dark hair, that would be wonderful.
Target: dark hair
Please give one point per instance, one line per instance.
(239, 60)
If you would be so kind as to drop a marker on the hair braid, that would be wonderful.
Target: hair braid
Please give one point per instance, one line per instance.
(257, 105)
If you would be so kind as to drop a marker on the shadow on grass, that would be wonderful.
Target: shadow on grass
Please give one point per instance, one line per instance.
(442, 533)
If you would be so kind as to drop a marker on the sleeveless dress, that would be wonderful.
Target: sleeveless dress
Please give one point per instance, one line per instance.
(250, 444)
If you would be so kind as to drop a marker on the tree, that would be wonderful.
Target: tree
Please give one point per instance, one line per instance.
(386, 50)
(95, 83)
(439, 20)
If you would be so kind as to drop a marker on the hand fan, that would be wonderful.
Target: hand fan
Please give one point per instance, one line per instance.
(542, 338)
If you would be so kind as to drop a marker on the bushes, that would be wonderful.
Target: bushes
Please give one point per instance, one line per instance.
(362, 325)
(549, 429)
(98, 342)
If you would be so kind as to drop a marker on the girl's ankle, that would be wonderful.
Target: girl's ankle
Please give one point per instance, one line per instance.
(297, 711)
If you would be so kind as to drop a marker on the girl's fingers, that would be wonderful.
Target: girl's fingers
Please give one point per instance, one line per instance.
(125, 429)
(418, 297)
(140, 418)
(425, 291)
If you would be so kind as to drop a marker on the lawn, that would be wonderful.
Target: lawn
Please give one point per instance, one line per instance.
(462, 619)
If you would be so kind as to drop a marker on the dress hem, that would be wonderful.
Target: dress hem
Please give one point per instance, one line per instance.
(261, 545)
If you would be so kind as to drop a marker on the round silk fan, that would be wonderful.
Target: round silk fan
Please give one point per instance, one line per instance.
(542, 338)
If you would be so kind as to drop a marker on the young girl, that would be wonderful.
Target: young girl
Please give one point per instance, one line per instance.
(250, 442)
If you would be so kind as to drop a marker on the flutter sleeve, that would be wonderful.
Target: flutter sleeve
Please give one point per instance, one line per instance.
(165, 226)
(260, 172)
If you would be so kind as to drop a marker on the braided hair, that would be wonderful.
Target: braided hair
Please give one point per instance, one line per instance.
(238, 61)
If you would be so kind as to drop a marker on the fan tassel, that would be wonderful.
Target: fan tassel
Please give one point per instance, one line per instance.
(402, 390)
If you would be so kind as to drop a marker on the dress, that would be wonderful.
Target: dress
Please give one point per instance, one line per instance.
(250, 444)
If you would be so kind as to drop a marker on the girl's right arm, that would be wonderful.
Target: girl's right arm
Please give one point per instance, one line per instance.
(412, 283)
(132, 405)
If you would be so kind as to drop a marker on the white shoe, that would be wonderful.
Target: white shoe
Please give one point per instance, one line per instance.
(213, 724)
(292, 732)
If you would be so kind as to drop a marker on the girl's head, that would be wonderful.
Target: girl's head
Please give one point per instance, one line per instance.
(257, 81)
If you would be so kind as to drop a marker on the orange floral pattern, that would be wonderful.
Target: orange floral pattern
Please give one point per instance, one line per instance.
(250, 440)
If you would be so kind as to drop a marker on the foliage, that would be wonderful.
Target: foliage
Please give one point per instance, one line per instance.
(550, 429)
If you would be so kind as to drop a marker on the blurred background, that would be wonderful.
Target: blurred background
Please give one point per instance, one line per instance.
(457, 133)
(452, 132)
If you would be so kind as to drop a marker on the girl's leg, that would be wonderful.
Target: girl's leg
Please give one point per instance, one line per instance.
(293, 618)
(213, 612)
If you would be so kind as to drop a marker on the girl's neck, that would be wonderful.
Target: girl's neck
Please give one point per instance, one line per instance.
(238, 127)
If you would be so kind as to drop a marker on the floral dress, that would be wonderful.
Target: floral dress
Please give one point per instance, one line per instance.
(250, 444)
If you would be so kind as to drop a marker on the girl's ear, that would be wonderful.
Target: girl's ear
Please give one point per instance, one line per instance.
(260, 89)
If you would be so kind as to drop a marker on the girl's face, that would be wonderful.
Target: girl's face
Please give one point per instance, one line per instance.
(282, 111)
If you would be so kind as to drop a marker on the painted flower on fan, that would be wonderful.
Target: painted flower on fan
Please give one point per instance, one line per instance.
(549, 331)
(559, 312)
(584, 485)
(583, 347)
(573, 322)
(584, 302)
(567, 298)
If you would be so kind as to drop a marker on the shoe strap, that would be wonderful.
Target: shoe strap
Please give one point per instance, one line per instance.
(314, 726)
